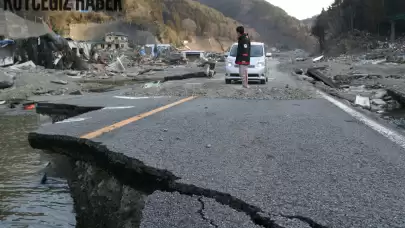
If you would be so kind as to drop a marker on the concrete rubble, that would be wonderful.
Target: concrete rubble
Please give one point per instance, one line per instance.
(6, 80)
(104, 71)
(362, 101)
(373, 80)
(37, 62)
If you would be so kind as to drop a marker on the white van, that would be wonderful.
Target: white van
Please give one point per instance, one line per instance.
(257, 70)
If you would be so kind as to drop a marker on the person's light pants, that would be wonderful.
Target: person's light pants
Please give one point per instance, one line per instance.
(243, 72)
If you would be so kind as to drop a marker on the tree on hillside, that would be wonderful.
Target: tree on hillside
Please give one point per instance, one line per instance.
(369, 15)
(189, 26)
(319, 29)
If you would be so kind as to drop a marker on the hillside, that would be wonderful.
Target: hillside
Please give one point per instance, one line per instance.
(169, 20)
(273, 24)
(309, 22)
(350, 25)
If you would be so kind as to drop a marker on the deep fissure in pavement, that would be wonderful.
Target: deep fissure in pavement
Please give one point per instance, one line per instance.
(137, 175)
(131, 172)
(59, 112)
(100, 200)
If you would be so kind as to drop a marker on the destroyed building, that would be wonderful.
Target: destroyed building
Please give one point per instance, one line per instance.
(25, 40)
(112, 41)
(13, 27)
(81, 48)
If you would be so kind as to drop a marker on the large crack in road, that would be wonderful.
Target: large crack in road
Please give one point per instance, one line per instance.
(148, 179)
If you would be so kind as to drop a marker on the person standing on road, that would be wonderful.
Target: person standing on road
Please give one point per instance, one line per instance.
(243, 55)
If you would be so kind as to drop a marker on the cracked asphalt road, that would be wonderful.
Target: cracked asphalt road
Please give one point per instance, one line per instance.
(169, 210)
(303, 162)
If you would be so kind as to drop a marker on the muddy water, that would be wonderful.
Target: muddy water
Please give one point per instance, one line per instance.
(24, 201)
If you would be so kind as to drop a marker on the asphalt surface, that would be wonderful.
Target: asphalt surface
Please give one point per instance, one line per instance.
(304, 158)
(167, 210)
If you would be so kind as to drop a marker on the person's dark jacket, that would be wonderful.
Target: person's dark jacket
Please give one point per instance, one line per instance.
(243, 52)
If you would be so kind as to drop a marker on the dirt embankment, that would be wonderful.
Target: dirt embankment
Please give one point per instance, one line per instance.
(209, 44)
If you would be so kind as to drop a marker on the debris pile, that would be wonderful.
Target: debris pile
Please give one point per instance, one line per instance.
(6, 80)
(40, 62)
(356, 43)
(24, 40)
(367, 80)
(104, 70)
(133, 65)
(50, 51)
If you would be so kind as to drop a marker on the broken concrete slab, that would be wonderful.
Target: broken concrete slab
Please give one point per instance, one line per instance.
(376, 108)
(397, 94)
(73, 73)
(299, 71)
(6, 80)
(387, 98)
(151, 84)
(378, 102)
(61, 82)
(76, 92)
(319, 76)
(23, 66)
(178, 73)
(346, 96)
(362, 101)
(132, 74)
(305, 78)
(380, 94)
(317, 59)
(50, 51)
(116, 66)
(392, 105)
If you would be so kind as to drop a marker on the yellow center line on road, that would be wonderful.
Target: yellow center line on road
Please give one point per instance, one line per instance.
(133, 119)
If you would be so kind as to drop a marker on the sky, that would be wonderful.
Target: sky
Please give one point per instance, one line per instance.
(302, 9)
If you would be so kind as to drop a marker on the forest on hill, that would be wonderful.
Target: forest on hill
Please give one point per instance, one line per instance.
(371, 16)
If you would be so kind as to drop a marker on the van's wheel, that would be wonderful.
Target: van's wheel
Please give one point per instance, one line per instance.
(263, 81)
(228, 81)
